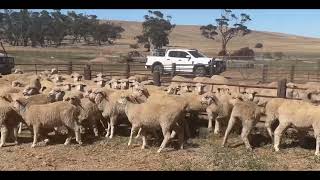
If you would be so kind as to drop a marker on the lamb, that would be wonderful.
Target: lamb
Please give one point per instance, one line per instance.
(18, 71)
(33, 88)
(49, 116)
(249, 114)
(138, 78)
(302, 115)
(151, 115)
(9, 120)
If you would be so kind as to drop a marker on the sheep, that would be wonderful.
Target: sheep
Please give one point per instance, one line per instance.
(9, 120)
(111, 109)
(76, 77)
(301, 115)
(18, 71)
(33, 88)
(249, 114)
(138, 78)
(114, 84)
(151, 115)
(54, 71)
(124, 84)
(49, 116)
(16, 84)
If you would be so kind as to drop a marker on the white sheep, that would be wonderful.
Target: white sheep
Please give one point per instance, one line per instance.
(301, 115)
(53, 115)
(249, 114)
(151, 115)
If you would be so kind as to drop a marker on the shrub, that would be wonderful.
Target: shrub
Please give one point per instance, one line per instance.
(258, 45)
(244, 53)
(267, 55)
(278, 55)
(134, 46)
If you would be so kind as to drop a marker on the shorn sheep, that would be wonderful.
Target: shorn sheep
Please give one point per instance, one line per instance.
(249, 114)
(301, 115)
(150, 115)
(49, 116)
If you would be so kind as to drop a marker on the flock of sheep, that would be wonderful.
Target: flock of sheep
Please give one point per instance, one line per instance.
(52, 102)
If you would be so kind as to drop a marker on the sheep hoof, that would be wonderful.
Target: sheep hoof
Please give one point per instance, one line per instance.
(16, 143)
(249, 149)
(1, 145)
(276, 149)
(80, 142)
(159, 151)
(33, 145)
(66, 143)
(46, 141)
(110, 137)
(317, 153)
(143, 147)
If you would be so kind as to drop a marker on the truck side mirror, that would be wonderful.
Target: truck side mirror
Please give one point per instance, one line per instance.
(188, 56)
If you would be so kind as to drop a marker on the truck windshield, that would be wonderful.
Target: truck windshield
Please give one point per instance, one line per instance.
(196, 54)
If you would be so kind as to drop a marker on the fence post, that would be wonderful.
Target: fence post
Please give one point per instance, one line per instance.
(70, 67)
(318, 72)
(264, 73)
(156, 78)
(292, 73)
(173, 71)
(212, 67)
(127, 70)
(35, 67)
(282, 88)
(87, 72)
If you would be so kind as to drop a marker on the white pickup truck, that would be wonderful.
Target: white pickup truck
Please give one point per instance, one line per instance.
(186, 60)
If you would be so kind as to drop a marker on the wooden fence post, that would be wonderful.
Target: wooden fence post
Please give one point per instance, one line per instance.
(264, 73)
(318, 71)
(292, 71)
(211, 68)
(282, 88)
(127, 70)
(156, 78)
(87, 72)
(70, 68)
(173, 71)
(35, 67)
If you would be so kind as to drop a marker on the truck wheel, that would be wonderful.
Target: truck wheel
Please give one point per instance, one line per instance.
(199, 71)
(158, 67)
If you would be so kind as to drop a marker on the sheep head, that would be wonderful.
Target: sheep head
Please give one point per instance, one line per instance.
(208, 99)
(173, 89)
(56, 95)
(185, 87)
(29, 91)
(199, 89)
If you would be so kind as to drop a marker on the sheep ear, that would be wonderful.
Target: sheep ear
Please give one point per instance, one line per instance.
(43, 88)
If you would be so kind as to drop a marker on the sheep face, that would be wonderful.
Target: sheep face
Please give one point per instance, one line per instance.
(124, 85)
(185, 88)
(80, 87)
(29, 91)
(208, 99)
(199, 89)
(54, 71)
(173, 90)
(56, 95)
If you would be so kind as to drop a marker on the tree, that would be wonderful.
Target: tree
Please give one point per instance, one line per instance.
(228, 26)
(156, 30)
(106, 32)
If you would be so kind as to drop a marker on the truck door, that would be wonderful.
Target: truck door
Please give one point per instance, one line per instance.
(172, 57)
(184, 63)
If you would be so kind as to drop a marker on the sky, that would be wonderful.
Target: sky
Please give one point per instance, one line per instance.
(291, 21)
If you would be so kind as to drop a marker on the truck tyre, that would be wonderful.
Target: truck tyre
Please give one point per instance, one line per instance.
(158, 67)
(199, 71)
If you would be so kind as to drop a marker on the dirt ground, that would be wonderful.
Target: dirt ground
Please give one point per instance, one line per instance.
(199, 154)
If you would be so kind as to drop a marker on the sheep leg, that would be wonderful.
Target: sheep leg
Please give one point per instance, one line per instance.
(15, 135)
(112, 123)
(95, 130)
(133, 130)
(166, 138)
(210, 119)
(20, 128)
(69, 137)
(278, 134)
(216, 126)
(35, 136)
(108, 129)
(187, 128)
(180, 130)
(247, 126)
(268, 126)
(4, 134)
(138, 135)
(231, 123)
(78, 134)
(144, 139)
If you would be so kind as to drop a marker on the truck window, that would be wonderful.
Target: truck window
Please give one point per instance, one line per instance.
(196, 54)
(173, 54)
(182, 54)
